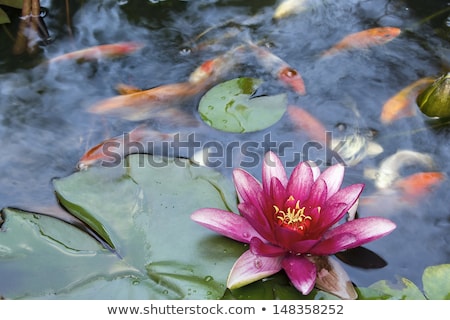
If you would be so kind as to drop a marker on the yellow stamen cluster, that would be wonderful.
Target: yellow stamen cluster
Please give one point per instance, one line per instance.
(292, 217)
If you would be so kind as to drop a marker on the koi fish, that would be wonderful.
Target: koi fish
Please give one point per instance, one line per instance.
(304, 121)
(147, 103)
(389, 169)
(123, 88)
(112, 150)
(101, 51)
(418, 184)
(400, 104)
(289, 7)
(364, 39)
(404, 193)
(279, 69)
(210, 71)
(353, 148)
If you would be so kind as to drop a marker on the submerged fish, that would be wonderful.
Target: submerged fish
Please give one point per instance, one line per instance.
(418, 184)
(305, 122)
(148, 103)
(289, 7)
(123, 88)
(101, 51)
(279, 69)
(400, 104)
(353, 148)
(403, 193)
(212, 70)
(389, 169)
(110, 151)
(364, 39)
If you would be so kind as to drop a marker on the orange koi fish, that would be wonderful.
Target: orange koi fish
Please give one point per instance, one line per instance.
(123, 88)
(304, 121)
(364, 39)
(400, 104)
(101, 51)
(112, 150)
(405, 192)
(210, 71)
(144, 104)
(280, 69)
(417, 185)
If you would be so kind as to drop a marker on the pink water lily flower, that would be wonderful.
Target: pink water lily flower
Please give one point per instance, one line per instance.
(294, 224)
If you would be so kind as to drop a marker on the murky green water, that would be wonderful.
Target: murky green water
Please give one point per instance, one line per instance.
(45, 127)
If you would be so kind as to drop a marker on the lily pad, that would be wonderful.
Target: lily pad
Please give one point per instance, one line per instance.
(144, 209)
(404, 289)
(435, 100)
(436, 282)
(230, 106)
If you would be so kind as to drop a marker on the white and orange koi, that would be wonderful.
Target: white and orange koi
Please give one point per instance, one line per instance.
(401, 104)
(364, 40)
(113, 150)
(100, 51)
(279, 69)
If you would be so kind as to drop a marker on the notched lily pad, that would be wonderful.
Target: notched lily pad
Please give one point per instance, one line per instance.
(435, 100)
(230, 107)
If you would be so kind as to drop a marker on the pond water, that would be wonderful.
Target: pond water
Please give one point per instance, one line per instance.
(45, 127)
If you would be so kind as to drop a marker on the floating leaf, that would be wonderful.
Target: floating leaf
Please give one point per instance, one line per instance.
(436, 282)
(144, 209)
(230, 107)
(4, 17)
(403, 290)
(435, 100)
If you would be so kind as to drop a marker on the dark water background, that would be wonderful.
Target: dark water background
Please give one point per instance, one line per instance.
(45, 129)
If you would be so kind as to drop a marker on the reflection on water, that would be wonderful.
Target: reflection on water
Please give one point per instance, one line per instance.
(45, 127)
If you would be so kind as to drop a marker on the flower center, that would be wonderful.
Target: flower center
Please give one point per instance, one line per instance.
(293, 216)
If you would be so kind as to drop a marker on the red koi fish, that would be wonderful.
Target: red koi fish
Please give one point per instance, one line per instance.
(364, 39)
(123, 88)
(147, 103)
(112, 150)
(101, 51)
(280, 69)
(304, 121)
(401, 104)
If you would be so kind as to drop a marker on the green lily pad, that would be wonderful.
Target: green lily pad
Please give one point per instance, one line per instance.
(144, 209)
(404, 289)
(435, 100)
(230, 107)
(436, 282)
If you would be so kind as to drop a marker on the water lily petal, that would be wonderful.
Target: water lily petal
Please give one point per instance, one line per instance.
(303, 246)
(301, 272)
(315, 169)
(248, 188)
(277, 193)
(226, 223)
(250, 268)
(335, 210)
(300, 182)
(332, 278)
(364, 230)
(333, 177)
(333, 244)
(272, 167)
(265, 249)
(257, 219)
(318, 194)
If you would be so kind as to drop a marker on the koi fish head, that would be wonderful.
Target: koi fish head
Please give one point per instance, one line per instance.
(384, 34)
(293, 79)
